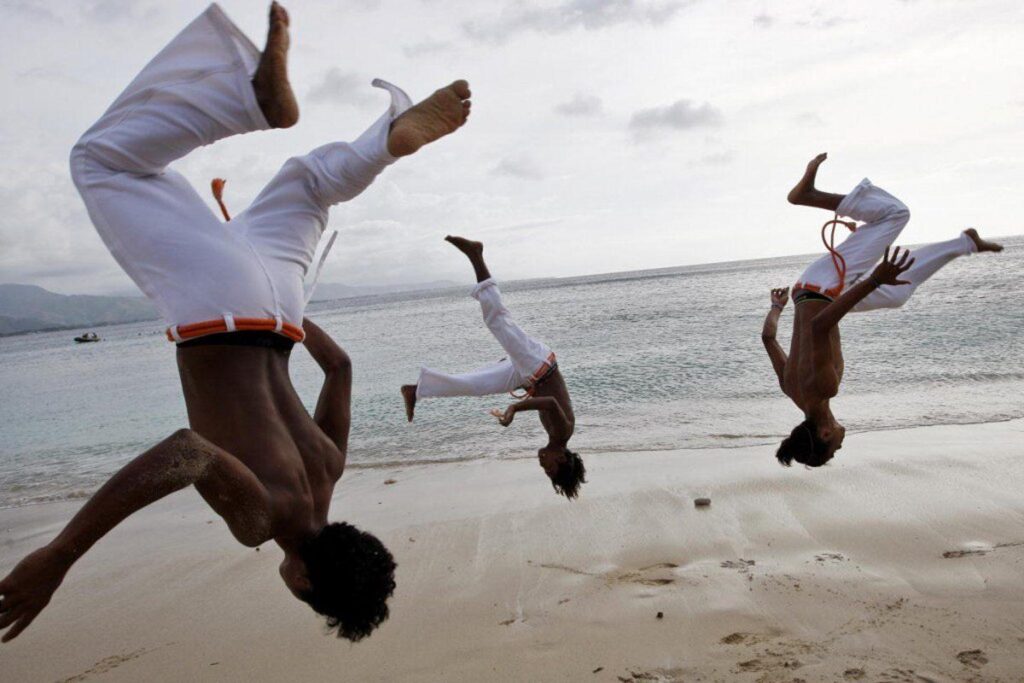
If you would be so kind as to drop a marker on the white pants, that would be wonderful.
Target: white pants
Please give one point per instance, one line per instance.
(206, 276)
(884, 218)
(528, 359)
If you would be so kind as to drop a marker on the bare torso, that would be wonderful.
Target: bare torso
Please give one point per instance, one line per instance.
(815, 367)
(554, 387)
(241, 398)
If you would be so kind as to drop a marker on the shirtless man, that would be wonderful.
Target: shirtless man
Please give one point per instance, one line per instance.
(233, 298)
(530, 366)
(811, 375)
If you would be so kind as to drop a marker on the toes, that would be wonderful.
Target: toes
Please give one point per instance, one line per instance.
(461, 88)
(278, 17)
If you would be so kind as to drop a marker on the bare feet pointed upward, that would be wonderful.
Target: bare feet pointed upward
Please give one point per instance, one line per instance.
(475, 252)
(270, 82)
(804, 193)
(805, 186)
(982, 244)
(467, 247)
(442, 113)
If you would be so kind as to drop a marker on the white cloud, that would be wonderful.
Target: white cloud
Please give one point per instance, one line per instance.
(521, 168)
(580, 105)
(520, 17)
(680, 115)
(340, 87)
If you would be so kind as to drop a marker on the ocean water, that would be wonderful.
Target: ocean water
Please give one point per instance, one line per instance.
(660, 359)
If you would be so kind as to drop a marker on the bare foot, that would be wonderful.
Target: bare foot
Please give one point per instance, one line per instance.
(409, 396)
(442, 113)
(467, 247)
(982, 245)
(805, 187)
(270, 83)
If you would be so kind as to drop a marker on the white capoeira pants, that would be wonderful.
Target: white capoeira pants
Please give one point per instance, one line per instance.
(206, 276)
(884, 218)
(528, 359)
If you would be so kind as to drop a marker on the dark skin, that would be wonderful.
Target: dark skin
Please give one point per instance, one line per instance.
(252, 451)
(812, 372)
(263, 464)
(550, 398)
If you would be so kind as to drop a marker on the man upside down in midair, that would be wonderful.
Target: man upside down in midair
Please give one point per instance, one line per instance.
(233, 298)
(529, 366)
(861, 275)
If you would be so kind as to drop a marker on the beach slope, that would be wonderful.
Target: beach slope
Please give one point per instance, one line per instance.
(903, 561)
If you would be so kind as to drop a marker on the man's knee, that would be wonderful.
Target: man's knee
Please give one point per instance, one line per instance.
(897, 212)
(184, 439)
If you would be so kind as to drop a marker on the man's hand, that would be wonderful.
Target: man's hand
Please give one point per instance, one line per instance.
(889, 270)
(505, 419)
(28, 589)
(780, 297)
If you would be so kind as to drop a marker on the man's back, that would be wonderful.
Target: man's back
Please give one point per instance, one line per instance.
(241, 398)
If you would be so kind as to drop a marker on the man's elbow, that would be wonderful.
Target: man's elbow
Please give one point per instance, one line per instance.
(337, 362)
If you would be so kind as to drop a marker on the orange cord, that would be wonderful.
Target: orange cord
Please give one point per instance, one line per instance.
(837, 259)
(217, 185)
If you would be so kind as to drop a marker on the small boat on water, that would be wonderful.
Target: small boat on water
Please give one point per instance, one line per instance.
(87, 337)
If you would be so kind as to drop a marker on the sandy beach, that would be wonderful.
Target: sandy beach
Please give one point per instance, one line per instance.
(901, 562)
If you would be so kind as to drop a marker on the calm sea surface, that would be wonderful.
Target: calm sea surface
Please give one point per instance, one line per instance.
(654, 359)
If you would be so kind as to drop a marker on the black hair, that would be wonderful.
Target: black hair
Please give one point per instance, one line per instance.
(570, 475)
(352, 575)
(805, 446)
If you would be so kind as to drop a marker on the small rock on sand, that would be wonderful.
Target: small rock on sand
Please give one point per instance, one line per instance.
(661, 615)
(702, 502)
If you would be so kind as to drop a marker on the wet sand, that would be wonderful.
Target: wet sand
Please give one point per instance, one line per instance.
(904, 561)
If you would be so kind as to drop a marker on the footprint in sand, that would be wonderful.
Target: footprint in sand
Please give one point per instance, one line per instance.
(745, 638)
(830, 557)
(974, 659)
(106, 664)
(742, 565)
(653, 676)
(905, 676)
(954, 554)
(651, 575)
(979, 550)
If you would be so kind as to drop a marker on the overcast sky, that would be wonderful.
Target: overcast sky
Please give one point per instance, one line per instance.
(606, 135)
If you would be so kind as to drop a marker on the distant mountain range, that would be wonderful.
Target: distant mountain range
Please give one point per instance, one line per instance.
(28, 308)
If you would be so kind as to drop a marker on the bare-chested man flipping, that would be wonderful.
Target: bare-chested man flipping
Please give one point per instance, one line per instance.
(529, 366)
(811, 375)
(233, 297)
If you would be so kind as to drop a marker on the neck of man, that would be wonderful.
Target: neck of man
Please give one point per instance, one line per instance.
(820, 414)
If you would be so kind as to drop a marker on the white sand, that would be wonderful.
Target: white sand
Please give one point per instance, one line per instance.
(836, 574)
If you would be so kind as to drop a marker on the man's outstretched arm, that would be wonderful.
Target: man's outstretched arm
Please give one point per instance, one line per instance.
(885, 273)
(182, 459)
(771, 325)
(547, 405)
(334, 406)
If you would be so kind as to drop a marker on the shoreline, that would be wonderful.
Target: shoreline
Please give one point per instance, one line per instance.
(79, 495)
(903, 559)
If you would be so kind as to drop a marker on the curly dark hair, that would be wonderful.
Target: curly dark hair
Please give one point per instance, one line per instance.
(804, 446)
(570, 475)
(352, 575)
